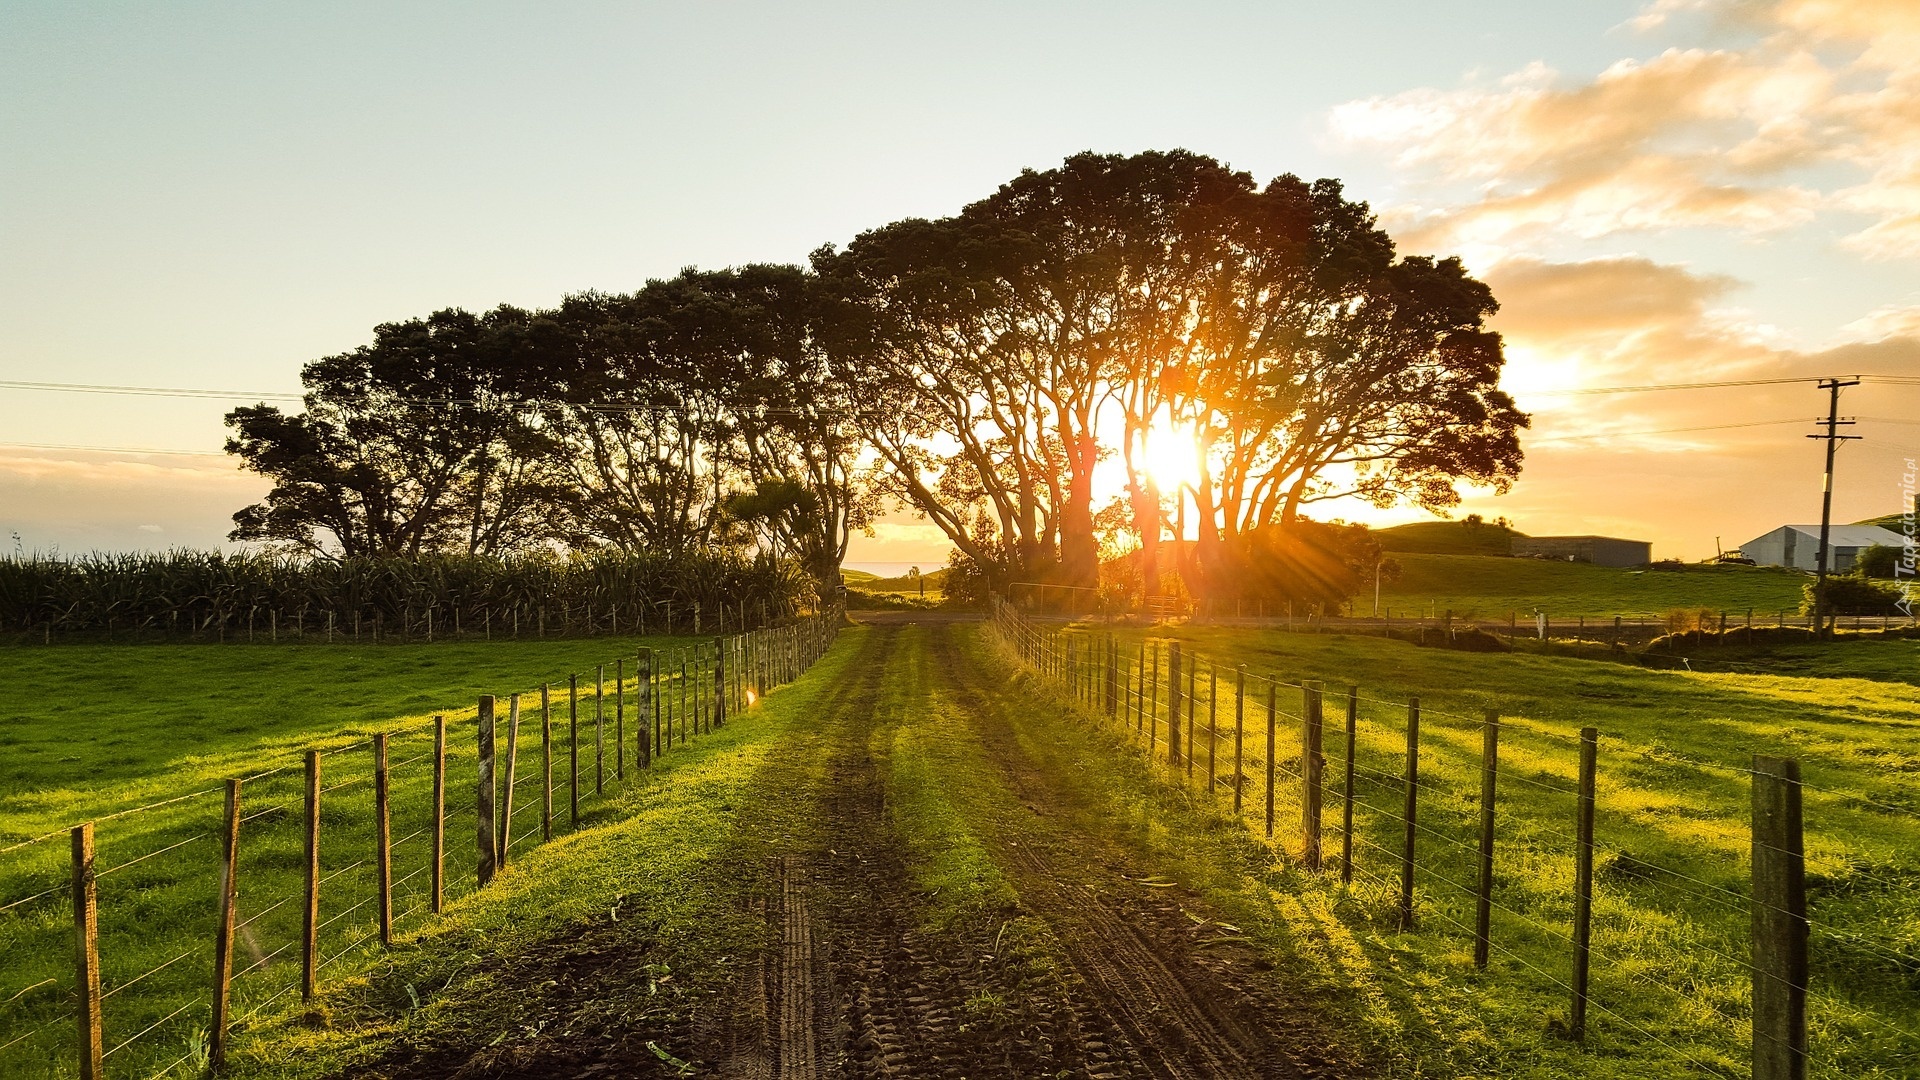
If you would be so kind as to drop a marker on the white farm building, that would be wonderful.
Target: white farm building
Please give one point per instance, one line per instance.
(1798, 546)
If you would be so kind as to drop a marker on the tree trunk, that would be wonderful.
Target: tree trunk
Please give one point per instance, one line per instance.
(1079, 550)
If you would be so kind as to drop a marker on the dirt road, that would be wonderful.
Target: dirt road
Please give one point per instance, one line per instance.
(909, 875)
(864, 988)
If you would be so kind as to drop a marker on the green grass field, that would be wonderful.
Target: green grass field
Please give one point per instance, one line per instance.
(657, 862)
(1488, 588)
(100, 731)
(1671, 923)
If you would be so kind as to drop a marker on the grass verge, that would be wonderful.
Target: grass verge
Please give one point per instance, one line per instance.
(1670, 978)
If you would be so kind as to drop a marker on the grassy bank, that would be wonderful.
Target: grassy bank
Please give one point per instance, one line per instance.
(1488, 587)
(657, 884)
(1671, 987)
(101, 732)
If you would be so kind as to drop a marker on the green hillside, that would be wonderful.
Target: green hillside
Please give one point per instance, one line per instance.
(1448, 538)
(1480, 586)
(1896, 522)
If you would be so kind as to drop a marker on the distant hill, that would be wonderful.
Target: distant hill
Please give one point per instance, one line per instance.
(936, 582)
(1448, 538)
(1481, 587)
(1891, 521)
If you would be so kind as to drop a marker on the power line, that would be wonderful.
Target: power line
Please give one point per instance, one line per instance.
(1896, 380)
(142, 391)
(1587, 390)
(281, 395)
(1667, 431)
(110, 449)
(412, 403)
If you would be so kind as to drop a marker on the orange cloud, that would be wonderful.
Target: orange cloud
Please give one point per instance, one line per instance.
(1745, 139)
(1542, 301)
(1678, 467)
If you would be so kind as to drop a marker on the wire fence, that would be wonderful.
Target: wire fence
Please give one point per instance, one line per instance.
(195, 915)
(1644, 897)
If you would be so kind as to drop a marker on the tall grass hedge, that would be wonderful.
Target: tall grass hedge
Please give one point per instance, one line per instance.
(211, 595)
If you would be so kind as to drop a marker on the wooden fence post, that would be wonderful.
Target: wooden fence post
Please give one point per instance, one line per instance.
(223, 929)
(1780, 925)
(1483, 896)
(1153, 704)
(86, 954)
(620, 718)
(1193, 694)
(1173, 705)
(1583, 883)
(546, 762)
(1312, 773)
(1140, 694)
(438, 870)
(505, 839)
(1273, 718)
(1239, 734)
(643, 705)
(1346, 788)
(599, 727)
(484, 792)
(719, 682)
(1213, 724)
(573, 751)
(1410, 813)
(1113, 676)
(310, 921)
(382, 840)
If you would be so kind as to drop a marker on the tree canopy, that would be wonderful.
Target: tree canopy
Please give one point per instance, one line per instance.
(994, 371)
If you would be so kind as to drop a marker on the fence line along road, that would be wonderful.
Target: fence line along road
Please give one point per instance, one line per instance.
(92, 1025)
(1436, 825)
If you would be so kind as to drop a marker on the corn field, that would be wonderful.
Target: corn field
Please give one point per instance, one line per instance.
(212, 596)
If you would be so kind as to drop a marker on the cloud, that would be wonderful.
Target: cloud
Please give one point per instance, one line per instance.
(1893, 321)
(1682, 467)
(1545, 301)
(1623, 320)
(82, 500)
(1820, 115)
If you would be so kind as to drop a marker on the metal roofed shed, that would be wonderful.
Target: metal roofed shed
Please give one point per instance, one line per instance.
(1598, 550)
(1798, 546)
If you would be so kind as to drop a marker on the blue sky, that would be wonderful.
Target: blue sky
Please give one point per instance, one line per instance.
(212, 195)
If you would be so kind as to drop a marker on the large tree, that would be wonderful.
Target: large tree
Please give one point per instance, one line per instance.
(422, 440)
(962, 431)
(1319, 367)
(1271, 326)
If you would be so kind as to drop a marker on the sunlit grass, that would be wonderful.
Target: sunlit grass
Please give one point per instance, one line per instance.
(1671, 990)
(101, 730)
(1489, 587)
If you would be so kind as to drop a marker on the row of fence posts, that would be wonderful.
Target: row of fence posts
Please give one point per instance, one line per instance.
(1082, 662)
(742, 668)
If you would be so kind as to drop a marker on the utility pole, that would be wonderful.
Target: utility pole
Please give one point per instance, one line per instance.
(1832, 435)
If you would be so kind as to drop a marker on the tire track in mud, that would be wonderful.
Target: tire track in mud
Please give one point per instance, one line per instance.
(899, 992)
(1183, 1014)
(777, 1018)
(862, 988)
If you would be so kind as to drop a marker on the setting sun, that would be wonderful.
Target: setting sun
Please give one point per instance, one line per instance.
(1170, 456)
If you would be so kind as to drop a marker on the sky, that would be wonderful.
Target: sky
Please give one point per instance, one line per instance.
(1658, 191)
